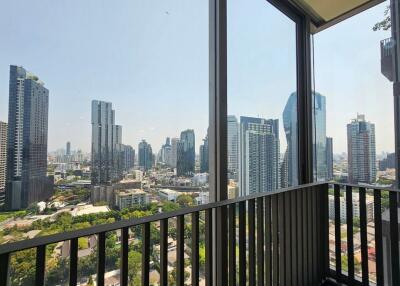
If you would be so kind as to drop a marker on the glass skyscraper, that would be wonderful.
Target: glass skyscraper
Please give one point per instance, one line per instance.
(145, 153)
(186, 153)
(233, 147)
(204, 156)
(27, 140)
(319, 135)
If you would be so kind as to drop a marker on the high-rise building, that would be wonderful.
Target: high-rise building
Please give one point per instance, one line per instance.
(68, 149)
(291, 155)
(145, 156)
(174, 151)
(128, 157)
(233, 147)
(329, 158)
(166, 153)
(186, 154)
(319, 135)
(3, 160)
(26, 181)
(388, 163)
(106, 144)
(259, 151)
(361, 150)
(204, 156)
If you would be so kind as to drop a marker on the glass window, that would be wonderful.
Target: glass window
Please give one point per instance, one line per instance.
(262, 99)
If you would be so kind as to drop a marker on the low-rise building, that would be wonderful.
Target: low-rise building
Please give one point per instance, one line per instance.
(356, 207)
(168, 194)
(129, 198)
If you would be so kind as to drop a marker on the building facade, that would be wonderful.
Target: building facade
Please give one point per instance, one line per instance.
(26, 181)
(3, 161)
(186, 155)
(259, 151)
(128, 198)
(319, 135)
(233, 147)
(361, 150)
(204, 156)
(329, 158)
(145, 156)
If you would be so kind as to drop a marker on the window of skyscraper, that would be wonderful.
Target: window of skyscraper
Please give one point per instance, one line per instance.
(262, 99)
(105, 104)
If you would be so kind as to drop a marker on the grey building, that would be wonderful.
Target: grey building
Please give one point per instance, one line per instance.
(361, 150)
(68, 149)
(319, 135)
(145, 154)
(26, 181)
(329, 158)
(166, 153)
(259, 152)
(204, 156)
(128, 158)
(186, 154)
(388, 163)
(291, 154)
(233, 147)
(174, 151)
(3, 160)
(103, 128)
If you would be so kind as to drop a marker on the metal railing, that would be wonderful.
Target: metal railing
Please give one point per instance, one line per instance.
(390, 254)
(275, 238)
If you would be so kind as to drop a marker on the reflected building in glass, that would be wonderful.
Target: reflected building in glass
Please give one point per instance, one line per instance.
(233, 147)
(27, 182)
(319, 135)
(259, 155)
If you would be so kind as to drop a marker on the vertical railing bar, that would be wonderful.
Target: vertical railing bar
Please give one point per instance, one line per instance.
(299, 225)
(164, 252)
(268, 257)
(324, 231)
(252, 242)
(146, 254)
(309, 237)
(232, 244)
(305, 237)
(338, 240)
(363, 236)
(242, 243)
(378, 238)
(73, 262)
(287, 237)
(124, 256)
(40, 264)
(320, 276)
(275, 247)
(313, 193)
(260, 242)
(350, 241)
(208, 241)
(101, 261)
(281, 239)
(195, 249)
(293, 230)
(180, 250)
(394, 238)
(4, 269)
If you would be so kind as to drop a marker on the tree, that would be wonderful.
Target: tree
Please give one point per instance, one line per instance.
(184, 200)
(386, 23)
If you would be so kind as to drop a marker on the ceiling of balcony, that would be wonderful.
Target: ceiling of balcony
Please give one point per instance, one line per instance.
(325, 13)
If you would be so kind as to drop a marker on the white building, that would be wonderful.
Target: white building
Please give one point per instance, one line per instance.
(356, 207)
(129, 198)
(169, 195)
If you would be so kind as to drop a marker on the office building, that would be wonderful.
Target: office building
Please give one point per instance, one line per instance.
(204, 156)
(145, 153)
(233, 147)
(329, 158)
(26, 181)
(68, 149)
(129, 198)
(361, 150)
(174, 151)
(319, 136)
(186, 153)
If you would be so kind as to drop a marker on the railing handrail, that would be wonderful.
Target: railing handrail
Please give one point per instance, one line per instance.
(368, 187)
(93, 230)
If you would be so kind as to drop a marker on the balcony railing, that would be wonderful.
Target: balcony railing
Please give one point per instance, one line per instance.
(282, 237)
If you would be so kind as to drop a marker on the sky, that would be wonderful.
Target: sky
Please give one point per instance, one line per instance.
(150, 59)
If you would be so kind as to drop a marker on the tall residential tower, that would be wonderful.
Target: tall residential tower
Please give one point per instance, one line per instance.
(27, 140)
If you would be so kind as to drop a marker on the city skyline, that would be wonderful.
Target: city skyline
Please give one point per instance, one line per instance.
(73, 88)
